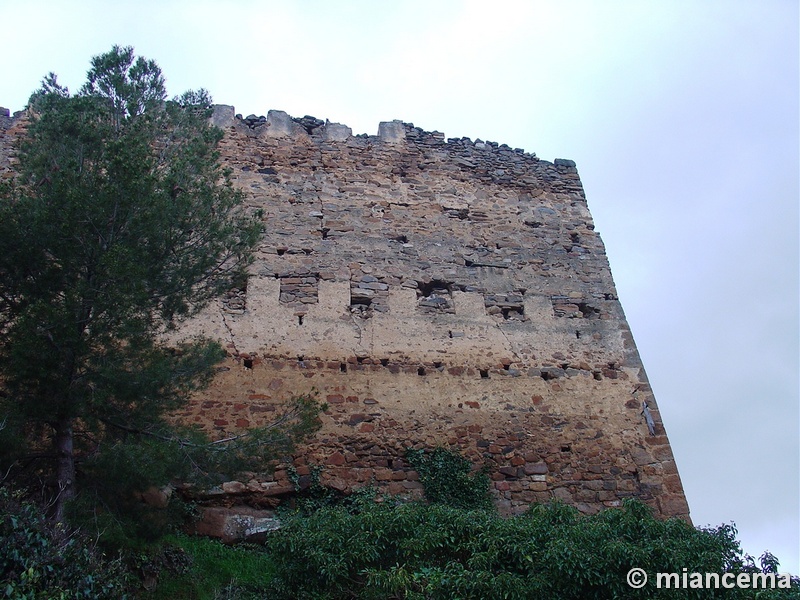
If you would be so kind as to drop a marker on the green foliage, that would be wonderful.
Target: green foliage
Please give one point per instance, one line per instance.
(213, 571)
(417, 551)
(40, 560)
(311, 495)
(121, 223)
(448, 478)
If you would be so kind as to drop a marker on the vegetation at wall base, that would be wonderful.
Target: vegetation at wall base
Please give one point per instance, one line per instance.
(380, 550)
(431, 551)
(214, 571)
(40, 559)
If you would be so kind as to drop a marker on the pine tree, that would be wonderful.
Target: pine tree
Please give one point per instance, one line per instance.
(121, 224)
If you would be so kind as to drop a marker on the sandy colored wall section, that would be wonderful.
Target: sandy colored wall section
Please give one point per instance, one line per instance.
(569, 437)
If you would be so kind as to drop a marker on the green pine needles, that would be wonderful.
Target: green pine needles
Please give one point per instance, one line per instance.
(120, 224)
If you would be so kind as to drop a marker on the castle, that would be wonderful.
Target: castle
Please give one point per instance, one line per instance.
(433, 292)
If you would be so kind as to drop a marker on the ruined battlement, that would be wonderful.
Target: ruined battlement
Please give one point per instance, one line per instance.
(11, 126)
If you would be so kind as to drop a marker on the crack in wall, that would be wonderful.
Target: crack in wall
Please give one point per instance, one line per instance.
(517, 357)
(229, 329)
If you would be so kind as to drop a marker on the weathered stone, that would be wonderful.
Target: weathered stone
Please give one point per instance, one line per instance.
(236, 524)
(336, 132)
(535, 468)
(222, 116)
(485, 265)
(280, 124)
(392, 132)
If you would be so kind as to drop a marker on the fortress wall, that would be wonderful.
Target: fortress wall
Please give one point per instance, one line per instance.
(433, 292)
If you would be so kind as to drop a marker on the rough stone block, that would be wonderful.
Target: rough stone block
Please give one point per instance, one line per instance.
(223, 116)
(392, 132)
(336, 132)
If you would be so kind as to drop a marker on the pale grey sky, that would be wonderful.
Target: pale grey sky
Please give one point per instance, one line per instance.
(681, 115)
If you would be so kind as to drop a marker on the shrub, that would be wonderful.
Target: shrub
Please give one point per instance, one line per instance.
(214, 571)
(311, 495)
(448, 479)
(43, 560)
(416, 551)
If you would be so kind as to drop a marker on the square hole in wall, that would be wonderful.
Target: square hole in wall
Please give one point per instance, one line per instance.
(574, 308)
(508, 305)
(435, 296)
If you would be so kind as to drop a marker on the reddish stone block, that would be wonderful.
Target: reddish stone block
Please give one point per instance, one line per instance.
(383, 474)
(395, 488)
(502, 486)
(334, 399)
(656, 440)
(472, 404)
(337, 483)
(242, 423)
(336, 459)
(357, 418)
(535, 468)
(673, 505)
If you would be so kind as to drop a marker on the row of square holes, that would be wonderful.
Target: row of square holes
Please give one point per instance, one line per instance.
(421, 371)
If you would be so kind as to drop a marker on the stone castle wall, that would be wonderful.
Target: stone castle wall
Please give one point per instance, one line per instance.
(433, 292)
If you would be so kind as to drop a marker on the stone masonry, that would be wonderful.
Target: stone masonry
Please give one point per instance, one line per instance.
(432, 291)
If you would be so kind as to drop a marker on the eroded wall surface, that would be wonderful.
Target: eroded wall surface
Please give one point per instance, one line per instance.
(434, 292)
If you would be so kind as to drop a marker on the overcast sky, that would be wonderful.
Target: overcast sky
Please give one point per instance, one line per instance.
(682, 117)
